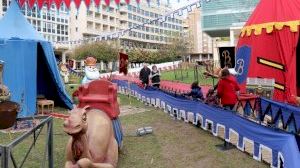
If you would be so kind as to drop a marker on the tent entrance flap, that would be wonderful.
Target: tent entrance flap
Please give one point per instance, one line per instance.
(298, 67)
(45, 82)
(49, 82)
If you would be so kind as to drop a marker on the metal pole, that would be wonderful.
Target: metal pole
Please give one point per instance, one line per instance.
(181, 74)
(50, 143)
(197, 74)
(5, 154)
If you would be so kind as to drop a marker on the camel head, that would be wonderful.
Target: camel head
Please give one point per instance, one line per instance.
(76, 123)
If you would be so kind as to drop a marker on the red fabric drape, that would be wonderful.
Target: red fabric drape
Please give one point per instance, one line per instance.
(87, 2)
(40, 3)
(97, 2)
(275, 11)
(123, 63)
(107, 2)
(48, 3)
(67, 3)
(21, 2)
(77, 3)
(117, 2)
(30, 3)
(58, 3)
(279, 47)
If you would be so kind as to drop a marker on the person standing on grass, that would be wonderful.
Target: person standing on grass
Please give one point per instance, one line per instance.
(144, 75)
(227, 89)
(155, 77)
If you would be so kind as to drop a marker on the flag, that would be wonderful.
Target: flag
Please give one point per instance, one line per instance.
(227, 57)
(123, 63)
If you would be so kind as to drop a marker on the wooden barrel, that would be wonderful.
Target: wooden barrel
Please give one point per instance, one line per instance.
(8, 114)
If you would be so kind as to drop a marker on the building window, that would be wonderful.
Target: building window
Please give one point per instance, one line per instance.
(129, 16)
(76, 29)
(129, 7)
(151, 14)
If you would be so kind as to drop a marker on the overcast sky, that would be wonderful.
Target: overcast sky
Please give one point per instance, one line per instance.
(176, 5)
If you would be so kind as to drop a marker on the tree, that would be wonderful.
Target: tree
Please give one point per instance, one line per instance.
(103, 51)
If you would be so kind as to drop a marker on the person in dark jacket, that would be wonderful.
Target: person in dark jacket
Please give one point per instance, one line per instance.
(144, 75)
(227, 89)
(196, 92)
(155, 77)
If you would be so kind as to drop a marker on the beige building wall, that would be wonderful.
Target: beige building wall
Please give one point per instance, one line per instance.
(201, 43)
(86, 23)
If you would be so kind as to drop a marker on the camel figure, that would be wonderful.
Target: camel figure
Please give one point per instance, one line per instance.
(210, 69)
(92, 143)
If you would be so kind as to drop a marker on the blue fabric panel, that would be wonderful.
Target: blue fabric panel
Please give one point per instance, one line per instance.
(256, 150)
(276, 140)
(286, 109)
(275, 110)
(264, 108)
(18, 74)
(274, 158)
(226, 132)
(240, 143)
(58, 88)
(118, 131)
(215, 128)
(247, 109)
(243, 58)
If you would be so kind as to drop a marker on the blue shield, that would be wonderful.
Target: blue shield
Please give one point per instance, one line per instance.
(242, 63)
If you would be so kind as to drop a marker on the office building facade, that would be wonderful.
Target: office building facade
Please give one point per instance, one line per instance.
(101, 21)
(219, 16)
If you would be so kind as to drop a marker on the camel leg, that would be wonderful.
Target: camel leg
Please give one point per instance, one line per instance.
(87, 163)
(70, 164)
(111, 159)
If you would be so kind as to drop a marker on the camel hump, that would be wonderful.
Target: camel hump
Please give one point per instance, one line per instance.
(96, 115)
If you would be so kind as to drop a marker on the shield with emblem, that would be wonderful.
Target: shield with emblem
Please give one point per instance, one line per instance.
(242, 63)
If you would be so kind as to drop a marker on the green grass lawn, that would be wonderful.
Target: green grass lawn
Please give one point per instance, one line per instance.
(187, 76)
(173, 144)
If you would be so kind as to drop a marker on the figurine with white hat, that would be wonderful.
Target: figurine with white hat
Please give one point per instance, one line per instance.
(91, 71)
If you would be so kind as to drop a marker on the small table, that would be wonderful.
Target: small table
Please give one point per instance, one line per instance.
(45, 103)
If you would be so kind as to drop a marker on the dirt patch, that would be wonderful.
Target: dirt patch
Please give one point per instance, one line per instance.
(127, 110)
